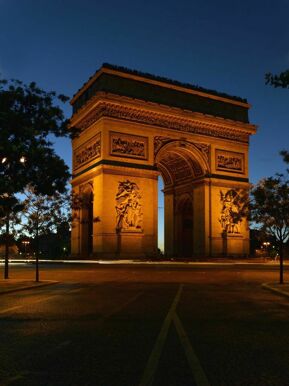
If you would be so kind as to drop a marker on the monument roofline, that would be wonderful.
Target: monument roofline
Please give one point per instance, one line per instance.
(125, 82)
(138, 75)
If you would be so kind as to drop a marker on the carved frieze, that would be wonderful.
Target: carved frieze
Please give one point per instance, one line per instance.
(230, 161)
(127, 145)
(128, 207)
(162, 120)
(87, 152)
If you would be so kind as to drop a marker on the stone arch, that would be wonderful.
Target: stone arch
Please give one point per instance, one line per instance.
(180, 160)
(143, 126)
(182, 164)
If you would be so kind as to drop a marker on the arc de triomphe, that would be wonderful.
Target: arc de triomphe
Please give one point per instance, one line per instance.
(135, 127)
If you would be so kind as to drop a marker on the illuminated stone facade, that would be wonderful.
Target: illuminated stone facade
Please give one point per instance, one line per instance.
(135, 127)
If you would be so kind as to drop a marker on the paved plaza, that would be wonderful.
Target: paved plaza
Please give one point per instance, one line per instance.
(136, 325)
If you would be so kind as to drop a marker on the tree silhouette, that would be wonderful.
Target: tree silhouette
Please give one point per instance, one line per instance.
(29, 118)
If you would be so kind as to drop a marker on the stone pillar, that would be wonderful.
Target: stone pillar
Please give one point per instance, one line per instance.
(75, 228)
(125, 213)
(169, 225)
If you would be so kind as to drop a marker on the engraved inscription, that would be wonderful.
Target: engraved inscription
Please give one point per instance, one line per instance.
(131, 146)
(229, 161)
(87, 152)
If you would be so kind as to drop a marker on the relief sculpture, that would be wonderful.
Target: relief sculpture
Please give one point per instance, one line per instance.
(230, 161)
(128, 145)
(231, 215)
(128, 207)
(87, 152)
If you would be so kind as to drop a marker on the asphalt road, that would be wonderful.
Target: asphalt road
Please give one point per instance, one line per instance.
(140, 326)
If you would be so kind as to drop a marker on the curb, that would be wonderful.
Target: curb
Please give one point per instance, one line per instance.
(41, 284)
(275, 290)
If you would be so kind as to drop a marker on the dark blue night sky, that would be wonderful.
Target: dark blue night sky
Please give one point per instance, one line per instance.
(223, 45)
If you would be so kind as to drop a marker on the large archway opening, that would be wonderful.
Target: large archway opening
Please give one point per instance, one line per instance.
(182, 167)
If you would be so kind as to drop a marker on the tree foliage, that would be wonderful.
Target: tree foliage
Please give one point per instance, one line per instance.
(278, 80)
(270, 209)
(28, 115)
(29, 118)
(271, 206)
(43, 214)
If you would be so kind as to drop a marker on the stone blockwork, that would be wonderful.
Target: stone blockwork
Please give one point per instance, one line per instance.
(126, 141)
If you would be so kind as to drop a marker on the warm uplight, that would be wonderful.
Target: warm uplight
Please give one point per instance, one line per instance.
(4, 159)
(22, 159)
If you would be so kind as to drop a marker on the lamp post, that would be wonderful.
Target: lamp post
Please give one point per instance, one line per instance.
(25, 243)
(266, 245)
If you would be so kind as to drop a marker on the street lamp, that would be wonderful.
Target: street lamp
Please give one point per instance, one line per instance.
(266, 245)
(25, 243)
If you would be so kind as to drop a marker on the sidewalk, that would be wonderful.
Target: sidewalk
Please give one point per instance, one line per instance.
(280, 289)
(14, 285)
(154, 261)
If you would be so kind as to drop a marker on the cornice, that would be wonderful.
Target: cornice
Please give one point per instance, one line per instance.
(153, 114)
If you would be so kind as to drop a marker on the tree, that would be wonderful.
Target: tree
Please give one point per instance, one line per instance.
(285, 155)
(280, 80)
(44, 214)
(10, 207)
(28, 116)
(270, 209)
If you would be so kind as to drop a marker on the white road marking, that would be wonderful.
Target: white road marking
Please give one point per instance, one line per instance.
(194, 363)
(6, 310)
(152, 364)
(27, 304)
(10, 309)
(197, 370)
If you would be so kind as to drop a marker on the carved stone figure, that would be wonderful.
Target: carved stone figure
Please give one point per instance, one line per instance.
(128, 207)
(230, 212)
